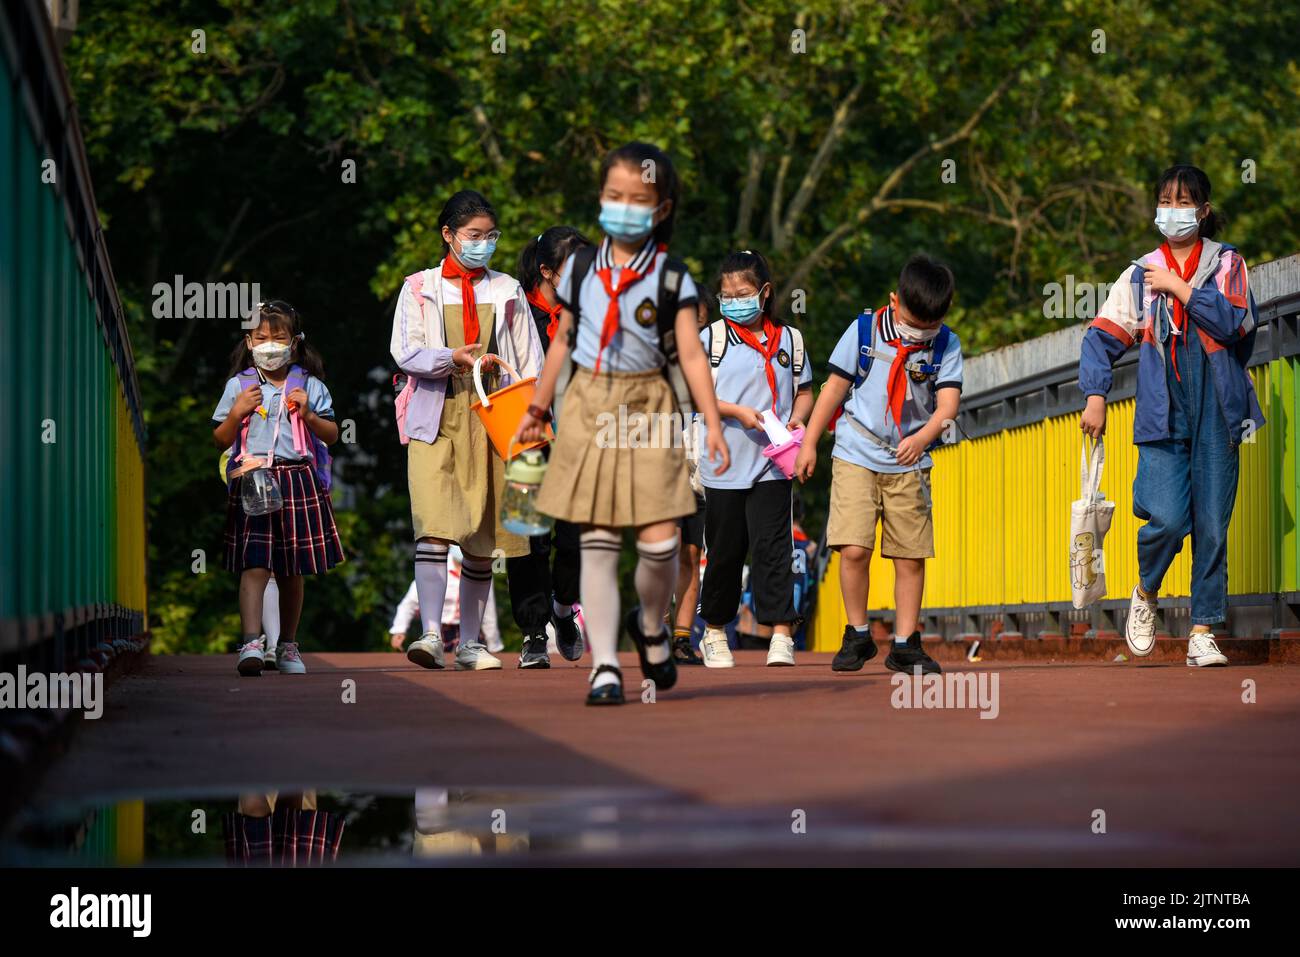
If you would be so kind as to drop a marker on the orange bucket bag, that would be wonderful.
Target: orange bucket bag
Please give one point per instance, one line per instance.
(503, 410)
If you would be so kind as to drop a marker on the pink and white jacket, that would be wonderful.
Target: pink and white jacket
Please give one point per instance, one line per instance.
(419, 348)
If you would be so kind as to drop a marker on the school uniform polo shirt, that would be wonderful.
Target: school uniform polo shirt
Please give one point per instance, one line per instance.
(869, 404)
(262, 431)
(741, 380)
(635, 347)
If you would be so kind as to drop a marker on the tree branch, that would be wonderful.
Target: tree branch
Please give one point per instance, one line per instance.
(489, 137)
(834, 133)
(879, 201)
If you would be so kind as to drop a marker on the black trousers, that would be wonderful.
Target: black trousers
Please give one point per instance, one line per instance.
(754, 521)
(533, 580)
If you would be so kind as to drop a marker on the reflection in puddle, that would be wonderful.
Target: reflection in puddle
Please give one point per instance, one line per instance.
(310, 828)
(304, 827)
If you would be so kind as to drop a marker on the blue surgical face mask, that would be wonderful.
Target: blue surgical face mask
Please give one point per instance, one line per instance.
(1177, 222)
(476, 253)
(627, 222)
(743, 311)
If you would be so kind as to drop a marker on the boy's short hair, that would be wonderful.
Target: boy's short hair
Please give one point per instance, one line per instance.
(926, 286)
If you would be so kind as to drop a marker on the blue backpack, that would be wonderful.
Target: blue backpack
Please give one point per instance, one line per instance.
(867, 354)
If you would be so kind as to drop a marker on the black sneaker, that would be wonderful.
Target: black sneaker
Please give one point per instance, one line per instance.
(907, 658)
(664, 675)
(568, 636)
(683, 653)
(533, 654)
(855, 651)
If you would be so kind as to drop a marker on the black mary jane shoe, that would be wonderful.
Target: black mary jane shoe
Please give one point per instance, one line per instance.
(663, 675)
(607, 693)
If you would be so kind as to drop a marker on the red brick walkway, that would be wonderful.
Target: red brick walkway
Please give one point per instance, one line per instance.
(1183, 769)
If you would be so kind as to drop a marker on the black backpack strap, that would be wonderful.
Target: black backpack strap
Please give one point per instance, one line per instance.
(582, 260)
(671, 275)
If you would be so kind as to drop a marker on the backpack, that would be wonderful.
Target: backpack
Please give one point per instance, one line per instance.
(718, 348)
(671, 275)
(305, 442)
(867, 353)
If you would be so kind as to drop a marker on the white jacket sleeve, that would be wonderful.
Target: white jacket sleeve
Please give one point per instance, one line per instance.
(406, 611)
(410, 349)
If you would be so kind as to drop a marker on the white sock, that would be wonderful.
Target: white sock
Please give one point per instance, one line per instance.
(656, 579)
(271, 614)
(475, 586)
(561, 611)
(598, 585)
(430, 584)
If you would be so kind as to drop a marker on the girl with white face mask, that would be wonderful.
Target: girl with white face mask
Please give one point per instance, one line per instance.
(446, 318)
(1188, 305)
(760, 371)
(273, 403)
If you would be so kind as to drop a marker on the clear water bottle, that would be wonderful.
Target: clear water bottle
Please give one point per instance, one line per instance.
(519, 513)
(260, 492)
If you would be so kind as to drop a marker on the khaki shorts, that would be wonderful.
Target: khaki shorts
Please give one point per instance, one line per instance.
(900, 501)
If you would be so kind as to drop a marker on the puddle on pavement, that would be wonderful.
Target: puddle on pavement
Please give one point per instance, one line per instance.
(436, 825)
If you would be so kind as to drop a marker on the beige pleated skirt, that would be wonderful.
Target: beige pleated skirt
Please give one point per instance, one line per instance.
(618, 459)
(456, 483)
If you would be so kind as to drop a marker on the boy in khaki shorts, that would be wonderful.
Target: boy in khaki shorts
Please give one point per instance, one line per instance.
(897, 374)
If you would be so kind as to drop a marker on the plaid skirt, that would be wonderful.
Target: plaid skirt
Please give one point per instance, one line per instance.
(300, 539)
(288, 838)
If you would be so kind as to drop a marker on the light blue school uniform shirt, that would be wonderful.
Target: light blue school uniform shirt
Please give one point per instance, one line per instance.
(869, 402)
(261, 431)
(635, 347)
(742, 380)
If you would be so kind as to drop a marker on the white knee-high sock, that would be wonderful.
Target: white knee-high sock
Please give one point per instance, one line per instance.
(475, 585)
(656, 577)
(598, 585)
(430, 584)
(271, 614)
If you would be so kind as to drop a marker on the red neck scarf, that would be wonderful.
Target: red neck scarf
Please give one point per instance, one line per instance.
(626, 278)
(1179, 318)
(897, 383)
(537, 299)
(452, 269)
(767, 350)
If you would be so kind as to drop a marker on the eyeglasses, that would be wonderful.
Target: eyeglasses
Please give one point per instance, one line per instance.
(723, 300)
(474, 236)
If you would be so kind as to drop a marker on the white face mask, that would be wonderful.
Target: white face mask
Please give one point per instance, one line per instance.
(915, 334)
(269, 356)
(1177, 222)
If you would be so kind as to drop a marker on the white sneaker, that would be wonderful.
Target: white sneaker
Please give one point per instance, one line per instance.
(251, 658)
(473, 656)
(1202, 652)
(714, 650)
(1140, 628)
(287, 659)
(495, 644)
(426, 651)
(780, 651)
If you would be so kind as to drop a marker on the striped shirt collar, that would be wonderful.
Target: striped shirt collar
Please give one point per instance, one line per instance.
(641, 262)
(888, 331)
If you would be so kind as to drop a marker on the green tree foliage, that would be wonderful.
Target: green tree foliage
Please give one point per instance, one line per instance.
(1019, 141)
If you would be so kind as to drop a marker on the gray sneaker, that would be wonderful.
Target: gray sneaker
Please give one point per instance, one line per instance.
(474, 656)
(426, 651)
(533, 654)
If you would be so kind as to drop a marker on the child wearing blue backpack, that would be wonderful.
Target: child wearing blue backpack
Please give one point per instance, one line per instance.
(277, 414)
(896, 376)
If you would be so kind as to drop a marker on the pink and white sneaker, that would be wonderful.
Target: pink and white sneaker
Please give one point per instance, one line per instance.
(250, 658)
(288, 660)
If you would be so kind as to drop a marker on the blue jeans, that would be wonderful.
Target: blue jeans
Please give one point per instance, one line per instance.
(1188, 483)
